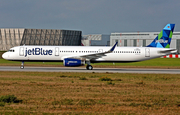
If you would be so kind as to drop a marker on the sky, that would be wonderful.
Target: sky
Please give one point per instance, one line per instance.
(91, 16)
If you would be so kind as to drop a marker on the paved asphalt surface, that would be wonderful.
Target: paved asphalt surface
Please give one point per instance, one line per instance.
(96, 70)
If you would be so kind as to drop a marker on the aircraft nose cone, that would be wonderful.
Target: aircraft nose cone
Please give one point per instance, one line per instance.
(4, 56)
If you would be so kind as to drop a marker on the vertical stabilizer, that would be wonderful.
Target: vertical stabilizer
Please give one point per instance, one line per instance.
(163, 40)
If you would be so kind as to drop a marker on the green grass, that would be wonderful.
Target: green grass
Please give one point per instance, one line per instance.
(18, 63)
(154, 63)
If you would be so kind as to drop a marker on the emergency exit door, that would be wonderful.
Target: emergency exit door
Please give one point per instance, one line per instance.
(100, 50)
(57, 51)
(147, 52)
(21, 51)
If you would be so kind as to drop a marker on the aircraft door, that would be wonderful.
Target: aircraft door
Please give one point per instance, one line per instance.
(147, 52)
(56, 51)
(21, 51)
(100, 51)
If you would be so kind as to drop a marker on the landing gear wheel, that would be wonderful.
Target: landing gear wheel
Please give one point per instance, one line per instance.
(89, 67)
(22, 65)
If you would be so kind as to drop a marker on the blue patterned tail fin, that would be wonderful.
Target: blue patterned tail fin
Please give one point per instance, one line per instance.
(163, 40)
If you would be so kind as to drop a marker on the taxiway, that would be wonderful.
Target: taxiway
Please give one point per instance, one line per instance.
(96, 70)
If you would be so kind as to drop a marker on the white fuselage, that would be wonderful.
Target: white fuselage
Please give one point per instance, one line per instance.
(59, 53)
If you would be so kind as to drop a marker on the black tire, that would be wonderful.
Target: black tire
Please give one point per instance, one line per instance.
(89, 67)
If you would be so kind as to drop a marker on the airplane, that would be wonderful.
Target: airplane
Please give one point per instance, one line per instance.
(72, 56)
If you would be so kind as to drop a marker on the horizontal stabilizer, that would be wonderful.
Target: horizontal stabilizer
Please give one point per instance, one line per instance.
(171, 51)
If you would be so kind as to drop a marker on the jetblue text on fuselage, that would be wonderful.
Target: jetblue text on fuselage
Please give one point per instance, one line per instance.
(37, 51)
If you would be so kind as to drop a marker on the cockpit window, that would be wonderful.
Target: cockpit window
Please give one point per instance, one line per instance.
(11, 50)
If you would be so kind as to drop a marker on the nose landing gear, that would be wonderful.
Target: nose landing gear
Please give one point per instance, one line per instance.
(22, 65)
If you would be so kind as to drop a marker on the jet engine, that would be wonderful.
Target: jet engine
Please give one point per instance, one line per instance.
(70, 62)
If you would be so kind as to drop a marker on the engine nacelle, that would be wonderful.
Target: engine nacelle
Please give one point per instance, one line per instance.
(73, 62)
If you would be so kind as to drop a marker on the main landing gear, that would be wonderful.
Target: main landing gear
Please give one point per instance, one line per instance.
(22, 65)
(89, 66)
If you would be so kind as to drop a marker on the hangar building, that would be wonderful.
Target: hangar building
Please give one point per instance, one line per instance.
(96, 40)
(141, 39)
(10, 37)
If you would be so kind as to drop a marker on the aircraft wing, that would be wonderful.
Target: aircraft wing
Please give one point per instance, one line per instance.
(93, 56)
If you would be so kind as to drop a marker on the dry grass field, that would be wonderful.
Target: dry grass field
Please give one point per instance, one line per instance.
(90, 93)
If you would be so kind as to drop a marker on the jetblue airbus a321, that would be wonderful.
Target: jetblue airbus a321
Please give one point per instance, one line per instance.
(81, 55)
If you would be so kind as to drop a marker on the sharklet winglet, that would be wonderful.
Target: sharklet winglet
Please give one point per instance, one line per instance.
(112, 49)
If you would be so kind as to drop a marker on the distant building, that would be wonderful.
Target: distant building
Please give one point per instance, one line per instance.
(96, 40)
(10, 37)
(141, 39)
